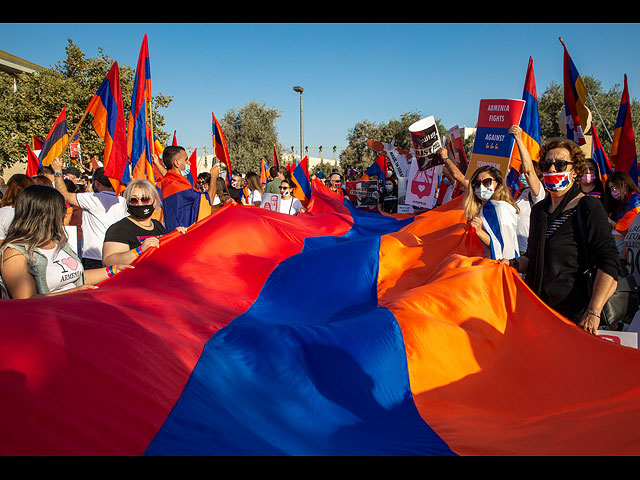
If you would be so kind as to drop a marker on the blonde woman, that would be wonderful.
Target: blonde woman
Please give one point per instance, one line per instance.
(126, 239)
(492, 212)
(35, 257)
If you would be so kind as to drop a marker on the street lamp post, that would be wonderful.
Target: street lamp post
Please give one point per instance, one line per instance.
(300, 90)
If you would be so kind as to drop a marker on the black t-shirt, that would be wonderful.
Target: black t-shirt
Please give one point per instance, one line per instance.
(389, 201)
(125, 231)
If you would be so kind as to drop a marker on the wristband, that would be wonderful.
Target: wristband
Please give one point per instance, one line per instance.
(137, 251)
(592, 313)
(111, 271)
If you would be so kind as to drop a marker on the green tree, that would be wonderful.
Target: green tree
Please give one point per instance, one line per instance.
(250, 133)
(358, 155)
(607, 103)
(71, 83)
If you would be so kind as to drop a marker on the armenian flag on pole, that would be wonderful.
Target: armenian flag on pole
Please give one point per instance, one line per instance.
(575, 95)
(56, 141)
(623, 148)
(139, 138)
(220, 147)
(108, 122)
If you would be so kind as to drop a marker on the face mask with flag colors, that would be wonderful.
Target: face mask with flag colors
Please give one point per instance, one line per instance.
(557, 182)
(484, 193)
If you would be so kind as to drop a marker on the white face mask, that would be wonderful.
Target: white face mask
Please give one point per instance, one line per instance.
(483, 193)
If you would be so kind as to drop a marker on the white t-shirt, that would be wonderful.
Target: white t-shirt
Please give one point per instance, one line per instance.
(6, 217)
(62, 270)
(524, 205)
(291, 205)
(254, 197)
(100, 210)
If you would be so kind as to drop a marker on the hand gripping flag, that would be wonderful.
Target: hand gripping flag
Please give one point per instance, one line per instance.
(425, 348)
(575, 95)
(623, 148)
(139, 138)
(599, 156)
(220, 147)
(108, 122)
(56, 141)
(300, 177)
(529, 122)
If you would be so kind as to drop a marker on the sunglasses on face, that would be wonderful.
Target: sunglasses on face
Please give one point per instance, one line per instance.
(486, 182)
(560, 165)
(140, 201)
(285, 188)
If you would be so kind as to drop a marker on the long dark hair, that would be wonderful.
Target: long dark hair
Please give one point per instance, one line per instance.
(39, 217)
(623, 182)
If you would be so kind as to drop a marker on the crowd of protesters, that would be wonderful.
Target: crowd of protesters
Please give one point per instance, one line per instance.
(564, 221)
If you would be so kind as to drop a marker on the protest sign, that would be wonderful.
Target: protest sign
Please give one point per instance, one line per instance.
(424, 172)
(626, 339)
(426, 142)
(363, 194)
(270, 201)
(423, 185)
(457, 147)
(494, 144)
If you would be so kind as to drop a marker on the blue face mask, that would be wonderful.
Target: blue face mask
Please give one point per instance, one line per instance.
(186, 171)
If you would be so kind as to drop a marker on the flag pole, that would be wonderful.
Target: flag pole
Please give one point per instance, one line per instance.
(70, 139)
(593, 103)
(601, 121)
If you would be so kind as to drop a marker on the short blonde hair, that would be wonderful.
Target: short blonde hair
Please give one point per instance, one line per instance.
(146, 186)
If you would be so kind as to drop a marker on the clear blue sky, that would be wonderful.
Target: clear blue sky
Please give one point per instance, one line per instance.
(349, 71)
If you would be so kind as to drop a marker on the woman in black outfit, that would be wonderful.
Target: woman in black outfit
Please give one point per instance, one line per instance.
(388, 202)
(569, 233)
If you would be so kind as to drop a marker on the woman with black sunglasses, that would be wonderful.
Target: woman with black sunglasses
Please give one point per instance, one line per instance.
(126, 239)
(569, 235)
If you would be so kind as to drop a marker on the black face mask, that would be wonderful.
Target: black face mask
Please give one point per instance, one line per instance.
(141, 212)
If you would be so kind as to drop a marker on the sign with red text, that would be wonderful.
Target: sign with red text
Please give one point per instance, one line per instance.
(270, 201)
(494, 144)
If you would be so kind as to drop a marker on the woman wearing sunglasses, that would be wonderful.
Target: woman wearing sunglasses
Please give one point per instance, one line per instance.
(492, 213)
(288, 203)
(126, 239)
(567, 228)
